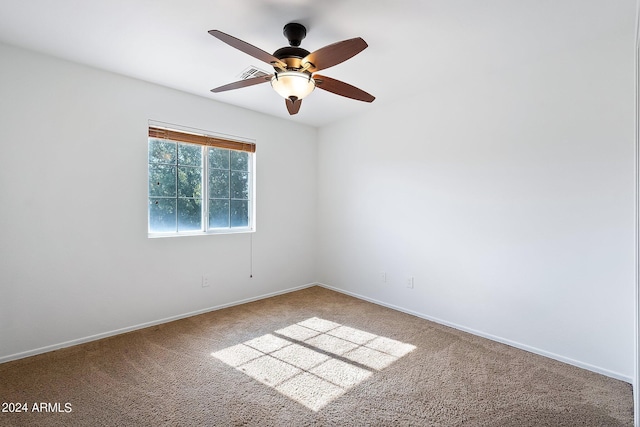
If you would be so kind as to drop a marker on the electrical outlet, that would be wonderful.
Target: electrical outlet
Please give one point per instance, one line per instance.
(410, 282)
(205, 281)
(383, 277)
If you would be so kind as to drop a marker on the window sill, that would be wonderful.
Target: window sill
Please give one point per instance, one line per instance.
(202, 233)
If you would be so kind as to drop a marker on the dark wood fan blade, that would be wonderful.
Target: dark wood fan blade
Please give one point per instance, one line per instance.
(342, 88)
(243, 83)
(334, 54)
(293, 105)
(247, 48)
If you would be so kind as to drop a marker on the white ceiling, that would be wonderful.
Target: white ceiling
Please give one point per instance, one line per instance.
(166, 41)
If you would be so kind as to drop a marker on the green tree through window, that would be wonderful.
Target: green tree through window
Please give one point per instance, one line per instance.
(198, 188)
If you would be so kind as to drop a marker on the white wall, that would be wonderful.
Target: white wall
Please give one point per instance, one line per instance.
(509, 197)
(75, 259)
(636, 378)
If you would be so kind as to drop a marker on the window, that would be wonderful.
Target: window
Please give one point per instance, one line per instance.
(199, 184)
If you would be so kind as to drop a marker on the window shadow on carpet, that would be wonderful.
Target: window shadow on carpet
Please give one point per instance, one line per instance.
(314, 361)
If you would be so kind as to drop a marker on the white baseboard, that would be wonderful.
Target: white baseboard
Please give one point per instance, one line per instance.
(95, 337)
(508, 342)
(511, 343)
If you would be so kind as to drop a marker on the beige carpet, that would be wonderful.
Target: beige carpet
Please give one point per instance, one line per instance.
(309, 358)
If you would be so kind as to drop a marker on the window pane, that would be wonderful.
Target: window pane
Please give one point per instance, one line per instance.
(218, 213)
(189, 155)
(218, 158)
(219, 184)
(177, 179)
(162, 181)
(189, 215)
(161, 151)
(189, 182)
(239, 213)
(239, 185)
(162, 215)
(239, 160)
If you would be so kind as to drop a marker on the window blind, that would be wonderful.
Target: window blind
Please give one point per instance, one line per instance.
(173, 135)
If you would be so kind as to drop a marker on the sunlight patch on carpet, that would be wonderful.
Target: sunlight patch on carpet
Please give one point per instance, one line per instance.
(314, 361)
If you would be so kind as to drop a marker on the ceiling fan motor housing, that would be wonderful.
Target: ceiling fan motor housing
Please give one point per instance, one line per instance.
(292, 56)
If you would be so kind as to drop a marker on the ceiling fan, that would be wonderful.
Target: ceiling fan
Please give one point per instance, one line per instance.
(295, 68)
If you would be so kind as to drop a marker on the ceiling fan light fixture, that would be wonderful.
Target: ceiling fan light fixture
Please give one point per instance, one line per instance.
(293, 84)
